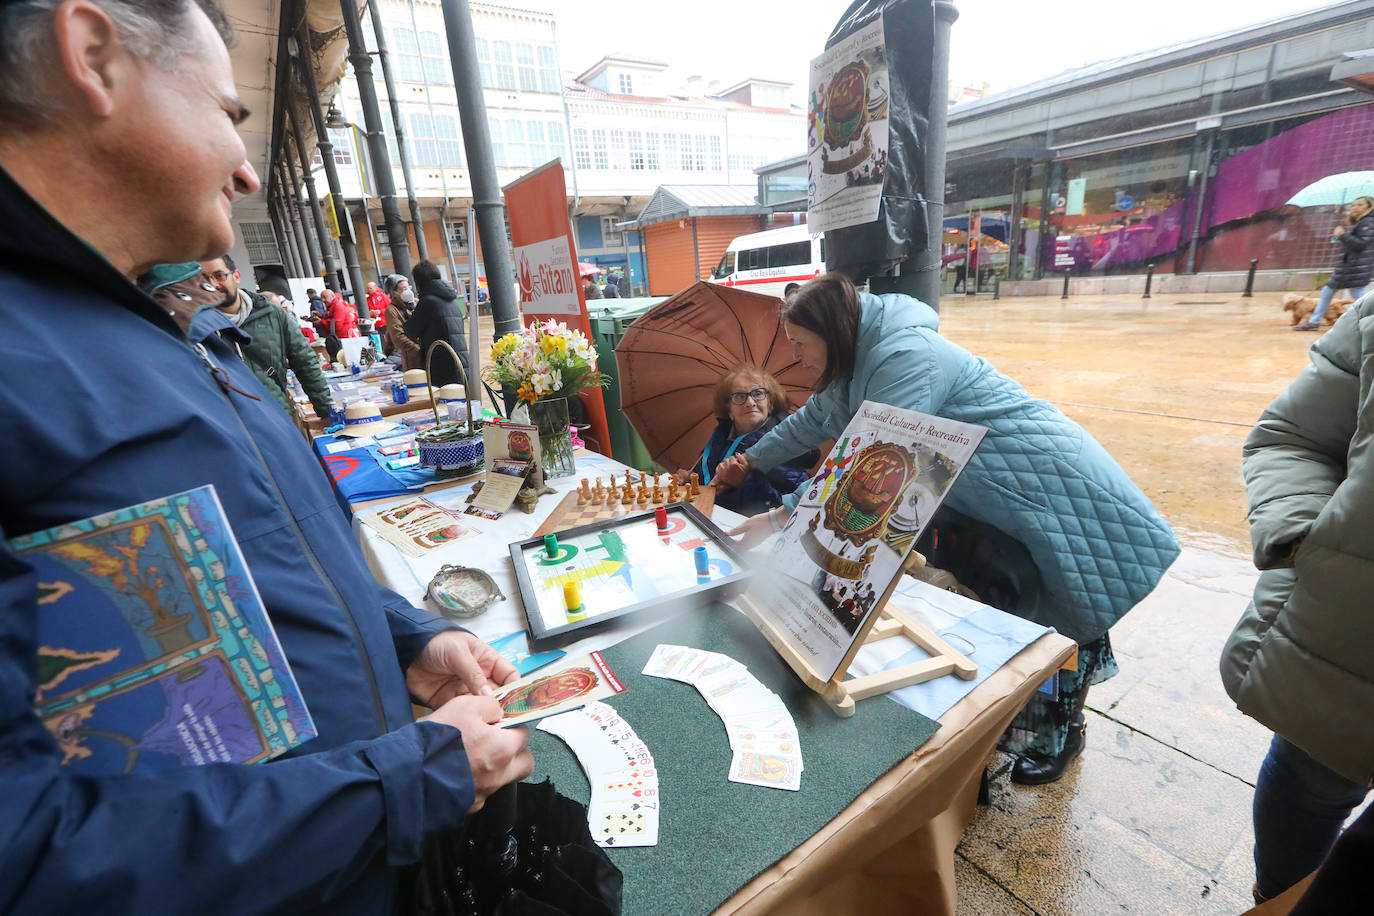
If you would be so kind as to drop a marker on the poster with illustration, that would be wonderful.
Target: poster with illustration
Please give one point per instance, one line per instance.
(857, 519)
(847, 130)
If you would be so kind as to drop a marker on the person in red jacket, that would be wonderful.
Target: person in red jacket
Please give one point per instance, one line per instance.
(377, 302)
(343, 317)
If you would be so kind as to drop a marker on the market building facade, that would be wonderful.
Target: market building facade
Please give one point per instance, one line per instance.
(621, 128)
(1182, 158)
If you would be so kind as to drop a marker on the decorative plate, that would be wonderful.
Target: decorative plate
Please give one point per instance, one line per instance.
(462, 592)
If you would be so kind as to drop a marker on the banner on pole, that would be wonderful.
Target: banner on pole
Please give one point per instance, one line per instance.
(546, 268)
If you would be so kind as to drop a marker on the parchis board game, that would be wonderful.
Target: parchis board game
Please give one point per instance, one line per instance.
(656, 562)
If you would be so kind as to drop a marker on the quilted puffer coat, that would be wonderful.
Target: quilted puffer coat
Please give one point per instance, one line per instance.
(1099, 543)
(1301, 659)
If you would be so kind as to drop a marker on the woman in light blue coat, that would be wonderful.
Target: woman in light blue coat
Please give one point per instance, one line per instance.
(1043, 518)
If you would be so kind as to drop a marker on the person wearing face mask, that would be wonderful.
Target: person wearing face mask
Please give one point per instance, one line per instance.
(747, 403)
(402, 305)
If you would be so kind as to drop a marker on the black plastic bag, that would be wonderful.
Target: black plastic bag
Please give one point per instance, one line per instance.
(901, 230)
(528, 852)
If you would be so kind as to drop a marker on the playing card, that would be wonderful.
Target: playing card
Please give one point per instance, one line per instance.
(574, 682)
(773, 771)
(663, 659)
(623, 823)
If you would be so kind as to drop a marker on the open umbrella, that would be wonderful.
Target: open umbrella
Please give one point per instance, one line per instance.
(1335, 190)
(672, 356)
(586, 270)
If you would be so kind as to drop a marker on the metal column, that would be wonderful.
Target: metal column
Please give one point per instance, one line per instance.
(486, 190)
(1196, 234)
(325, 252)
(331, 172)
(384, 58)
(297, 213)
(1018, 191)
(926, 263)
(281, 231)
(376, 140)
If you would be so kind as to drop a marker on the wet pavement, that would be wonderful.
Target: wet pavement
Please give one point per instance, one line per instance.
(1155, 816)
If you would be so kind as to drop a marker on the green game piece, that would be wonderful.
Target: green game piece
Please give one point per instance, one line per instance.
(551, 545)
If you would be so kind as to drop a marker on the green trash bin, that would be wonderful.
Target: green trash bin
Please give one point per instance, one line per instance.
(609, 319)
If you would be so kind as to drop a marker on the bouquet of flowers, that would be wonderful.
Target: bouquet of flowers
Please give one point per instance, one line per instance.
(545, 360)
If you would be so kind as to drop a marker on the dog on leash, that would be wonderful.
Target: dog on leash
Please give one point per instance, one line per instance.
(1303, 306)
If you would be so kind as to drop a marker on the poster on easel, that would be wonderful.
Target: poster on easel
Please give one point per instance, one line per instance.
(838, 556)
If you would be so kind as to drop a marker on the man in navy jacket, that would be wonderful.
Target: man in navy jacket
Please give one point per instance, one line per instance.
(105, 403)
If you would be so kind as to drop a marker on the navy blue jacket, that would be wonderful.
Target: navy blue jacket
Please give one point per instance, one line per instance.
(105, 404)
(761, 490)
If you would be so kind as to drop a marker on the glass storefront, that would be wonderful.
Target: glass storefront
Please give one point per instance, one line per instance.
(1120, 211)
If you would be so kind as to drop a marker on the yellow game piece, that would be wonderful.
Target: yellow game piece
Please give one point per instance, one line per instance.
(572, 600)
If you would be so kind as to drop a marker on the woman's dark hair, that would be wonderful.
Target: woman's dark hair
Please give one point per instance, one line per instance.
(720, 398)
(828, 307)
(425, 272)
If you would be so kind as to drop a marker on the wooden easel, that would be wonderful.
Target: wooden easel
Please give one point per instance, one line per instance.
(840, 693)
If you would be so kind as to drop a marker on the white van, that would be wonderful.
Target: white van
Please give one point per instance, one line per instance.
(774, 263)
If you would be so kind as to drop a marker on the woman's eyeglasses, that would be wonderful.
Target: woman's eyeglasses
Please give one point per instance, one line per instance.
(758, 394)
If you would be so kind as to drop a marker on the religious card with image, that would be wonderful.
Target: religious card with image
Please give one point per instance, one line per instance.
(574, 682)
(858, 518)
(417, 526)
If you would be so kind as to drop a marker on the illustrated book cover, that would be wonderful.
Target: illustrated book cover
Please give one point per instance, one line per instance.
(857, 520)
(154, 648)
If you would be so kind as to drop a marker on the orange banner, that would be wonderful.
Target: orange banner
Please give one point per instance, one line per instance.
(546, 269)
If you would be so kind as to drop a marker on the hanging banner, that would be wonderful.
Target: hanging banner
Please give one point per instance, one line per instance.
(546, 269)
(847, 131)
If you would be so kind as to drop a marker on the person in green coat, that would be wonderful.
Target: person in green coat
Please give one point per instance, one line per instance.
(1301, 658)
(277, 342)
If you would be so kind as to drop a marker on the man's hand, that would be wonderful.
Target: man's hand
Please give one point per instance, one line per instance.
(1338, 231)
(455, 664)
(732, 471)
(754, 529)
(496, 756)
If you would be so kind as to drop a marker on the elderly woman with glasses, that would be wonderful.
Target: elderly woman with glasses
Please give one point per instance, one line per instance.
(747, 403)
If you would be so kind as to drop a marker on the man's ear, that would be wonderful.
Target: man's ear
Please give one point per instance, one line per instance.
(89, 52)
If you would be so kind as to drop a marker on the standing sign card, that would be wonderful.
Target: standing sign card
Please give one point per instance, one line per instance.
(857, 519)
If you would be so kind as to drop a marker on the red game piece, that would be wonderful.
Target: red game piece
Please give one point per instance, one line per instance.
(661, 518)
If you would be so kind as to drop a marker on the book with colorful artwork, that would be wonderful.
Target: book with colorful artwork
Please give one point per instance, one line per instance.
(154, 648)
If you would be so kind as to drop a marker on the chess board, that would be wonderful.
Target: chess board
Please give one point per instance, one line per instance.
(568, 514)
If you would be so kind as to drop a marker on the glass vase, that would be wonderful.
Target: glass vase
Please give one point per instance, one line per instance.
(550, 416)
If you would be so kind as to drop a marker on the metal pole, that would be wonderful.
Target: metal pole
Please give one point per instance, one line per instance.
(1250, 280)
(331, 173)
(438, 149)
(997, 287)
(301, 213)
(475, 314)
(291, 206)
(1149, 279)
(372, 239)
(643, 258)
(1065, 294)
(283, 235)
(926, 263)
(448, 252)
(384, 58)
(486, 190)
(324, 254)
(376, 138)
(1014, 240)
(293, 238)
(1201, 199)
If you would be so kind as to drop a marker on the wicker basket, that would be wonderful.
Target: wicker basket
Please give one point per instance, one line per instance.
(452, 449)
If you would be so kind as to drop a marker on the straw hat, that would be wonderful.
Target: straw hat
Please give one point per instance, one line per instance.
(416, 378)
(451, 392)
(363, 418)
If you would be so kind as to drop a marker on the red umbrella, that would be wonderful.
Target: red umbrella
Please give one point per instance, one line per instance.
(671, 358)
(587, 270)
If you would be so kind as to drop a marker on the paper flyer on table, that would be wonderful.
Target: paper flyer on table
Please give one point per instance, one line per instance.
(857, 519)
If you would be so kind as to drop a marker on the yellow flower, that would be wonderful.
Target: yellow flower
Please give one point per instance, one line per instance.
(526, 392)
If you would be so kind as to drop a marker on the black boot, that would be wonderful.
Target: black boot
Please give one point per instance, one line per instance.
(1037, 769)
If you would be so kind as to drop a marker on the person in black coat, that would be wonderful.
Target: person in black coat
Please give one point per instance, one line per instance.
(439, 315)
(1356, 264)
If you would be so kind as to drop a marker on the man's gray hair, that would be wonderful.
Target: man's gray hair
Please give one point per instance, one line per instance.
(154, 30)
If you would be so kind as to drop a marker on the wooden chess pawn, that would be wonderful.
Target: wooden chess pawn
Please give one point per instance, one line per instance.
(692, 488)
(598, 493)
(629, 497)
(582, 497)
(658, 493)
(672, 490)
(643, 498)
